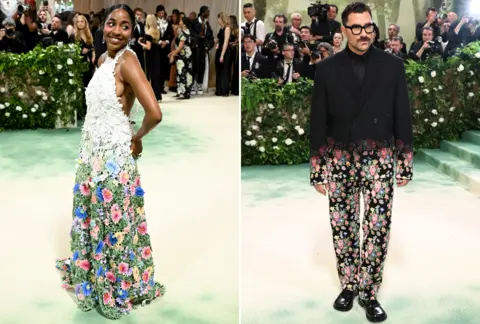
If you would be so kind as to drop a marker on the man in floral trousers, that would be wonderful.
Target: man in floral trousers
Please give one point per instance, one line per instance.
(361, 143)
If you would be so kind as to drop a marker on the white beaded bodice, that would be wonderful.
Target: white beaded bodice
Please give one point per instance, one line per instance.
(106, 133)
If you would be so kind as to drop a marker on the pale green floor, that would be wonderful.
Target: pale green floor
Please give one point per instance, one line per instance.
(191, 178)
(288, 263)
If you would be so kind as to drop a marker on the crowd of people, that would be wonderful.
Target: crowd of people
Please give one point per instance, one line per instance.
(174, 50)
(292, 50)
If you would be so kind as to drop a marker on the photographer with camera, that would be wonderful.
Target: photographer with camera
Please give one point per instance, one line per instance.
(306, 48)
(26, 24)
(294, 28)
(138, 33)
(275, 40)
(9, 41)
(254, 65)
(253, 26)
(427, 48)
(431, 21)
(288, 68)
(397, 47)
(324, 24)
(457, 33)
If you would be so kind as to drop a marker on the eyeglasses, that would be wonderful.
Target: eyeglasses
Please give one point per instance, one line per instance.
(357, 29)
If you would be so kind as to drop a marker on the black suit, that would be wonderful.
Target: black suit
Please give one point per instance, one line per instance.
(279, 72)
(139, 32)
(201, 47)
(259, 65)
(360, 128)
(165, 65)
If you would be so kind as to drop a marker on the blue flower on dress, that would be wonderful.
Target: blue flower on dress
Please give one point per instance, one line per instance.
(132, 256)
(76, 188)
(75, 256)
(139, 192)
(87, 288)
(123, 294)
(113, 240)
(112, 167)
(99, 247)
(100, 272)
(99, 193)
(80, 213)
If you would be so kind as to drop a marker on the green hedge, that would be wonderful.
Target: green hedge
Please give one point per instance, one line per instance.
(444, 99)
(41, 87)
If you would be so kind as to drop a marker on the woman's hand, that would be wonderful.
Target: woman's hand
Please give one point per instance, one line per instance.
(136, 147)
(221, 59)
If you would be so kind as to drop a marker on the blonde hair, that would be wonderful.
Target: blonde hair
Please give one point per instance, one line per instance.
(151, 27)
(85, 32)
(225, 19)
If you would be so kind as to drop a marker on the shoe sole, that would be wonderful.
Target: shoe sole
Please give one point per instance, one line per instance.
(370, 319)
(343, 309)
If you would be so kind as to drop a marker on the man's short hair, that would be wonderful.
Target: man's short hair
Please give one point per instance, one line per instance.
(8, 22)
(249, 36)
(355, 7)
(248, 5)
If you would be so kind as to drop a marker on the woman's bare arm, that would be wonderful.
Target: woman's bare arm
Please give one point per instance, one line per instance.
(225, 41)
(132, 73)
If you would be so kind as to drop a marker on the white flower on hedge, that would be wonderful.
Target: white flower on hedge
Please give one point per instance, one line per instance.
(41, 72)
(247, 143)
(259, 119)
(288, 141)
(53, 99)
(3, 89)
(417, 111)
(279, 128)
(477, 55)
(44, 115)
(255, 127)
(56, 80)
(7, 114)
(434, 89)
(270, 106)
(59, 66)
(470, 94)
(426, 90)
(44, 98)
(452, 108)
(70, 73)
(471, 73)
(460, 68)
(276, 147)
(7, 104)
(59, 112)
(274, 139)
(301, 131)
(18, 108)
(434, 124)
(24, 116)
(69, 61)
(33, 110)
(260, 137)
(253, 142)
(261, 149)
(294, 116)
(297, 127)
(35, 105)
(433, 74)
(441, 120)
(249, 133)
(70, 81)
(440, 87)
(434, 111)
(426, 120)
(20, 94)
(2, 106)
(38, 92)
(421, 79)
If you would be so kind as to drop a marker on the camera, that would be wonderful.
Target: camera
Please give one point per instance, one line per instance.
(45, 3)
(318, 10)
(9, 32)
(316, 55)
(271, 45)
(23, 8)
(442, 16)
(251, 75)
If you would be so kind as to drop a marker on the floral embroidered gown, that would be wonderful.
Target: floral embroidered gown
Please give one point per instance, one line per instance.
(111, 263)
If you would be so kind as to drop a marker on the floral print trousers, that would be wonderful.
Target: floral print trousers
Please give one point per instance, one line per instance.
(111, 263)
(350, 174)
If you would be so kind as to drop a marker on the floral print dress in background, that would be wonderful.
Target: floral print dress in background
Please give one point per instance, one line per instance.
(184, 65)
(111, 263)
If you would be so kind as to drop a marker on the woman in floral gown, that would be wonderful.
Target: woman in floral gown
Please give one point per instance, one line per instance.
(111, 263)
(183, 54)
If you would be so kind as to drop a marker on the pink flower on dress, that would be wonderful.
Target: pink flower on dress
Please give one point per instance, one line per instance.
(83, 264)
(126, 203)
(146, 253)
(374, 219)
(142, 228)
(85, 189)
(110, 276)
(96, 165)
(107, 195)
(123, 268)
(94, 199)
(80, 297)
(126, 285)
(124, 177)
(137, 182)
(106, 298)
(145, 276)
(116, 214)
(372, 170)
(378, 186)
(98, 257)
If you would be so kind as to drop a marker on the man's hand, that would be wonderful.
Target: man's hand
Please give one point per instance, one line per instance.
(296, 76)
(402, 182)
(245, 73)
(321, 188)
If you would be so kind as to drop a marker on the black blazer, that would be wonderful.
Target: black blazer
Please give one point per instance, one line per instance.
(208, 41)
(260, 65)
(346, 112)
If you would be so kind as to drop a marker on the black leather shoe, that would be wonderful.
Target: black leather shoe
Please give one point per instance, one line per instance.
(344, 301)
(373, 309)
